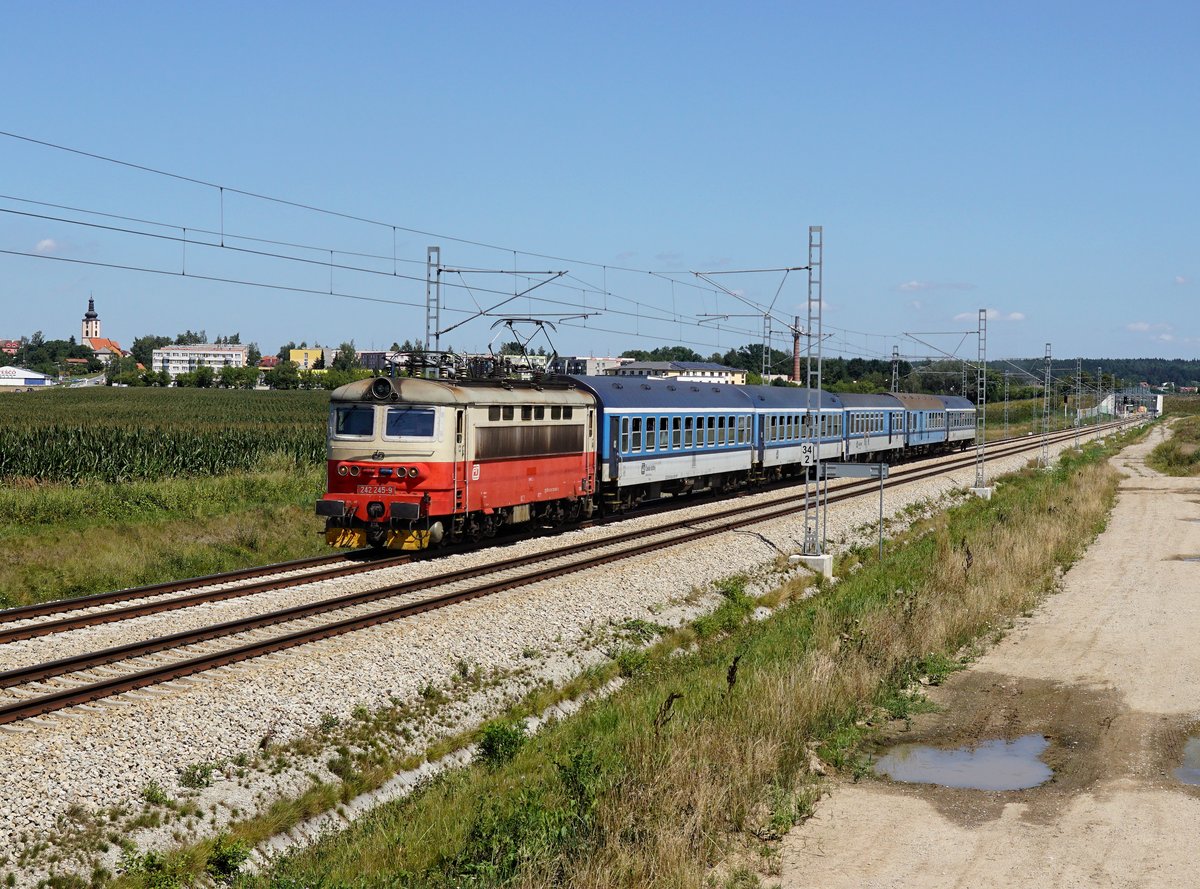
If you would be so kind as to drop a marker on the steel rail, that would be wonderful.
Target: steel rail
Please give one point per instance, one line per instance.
(156, 604)
(156, 675)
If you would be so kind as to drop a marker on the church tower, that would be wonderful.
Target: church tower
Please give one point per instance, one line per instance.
(91, 322)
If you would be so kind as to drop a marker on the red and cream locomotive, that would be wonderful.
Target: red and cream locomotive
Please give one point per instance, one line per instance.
(412, 461)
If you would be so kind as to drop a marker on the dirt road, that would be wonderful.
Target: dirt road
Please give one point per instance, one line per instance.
(1108, 671)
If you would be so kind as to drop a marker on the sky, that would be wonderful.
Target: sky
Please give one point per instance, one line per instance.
(1036, 160)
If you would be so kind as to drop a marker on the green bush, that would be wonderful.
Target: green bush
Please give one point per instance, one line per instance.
(500, 741)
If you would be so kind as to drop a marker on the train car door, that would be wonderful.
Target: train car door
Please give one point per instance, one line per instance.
(462, 481)
(589, 451)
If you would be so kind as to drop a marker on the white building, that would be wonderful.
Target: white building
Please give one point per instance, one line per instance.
(12, 377)
(684, 371)
(588, 365)
(176, 360)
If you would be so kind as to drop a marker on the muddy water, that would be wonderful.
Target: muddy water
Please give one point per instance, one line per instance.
(990, 765)
(1189, 772)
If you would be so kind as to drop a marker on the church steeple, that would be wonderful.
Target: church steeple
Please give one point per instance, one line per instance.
(91, 321)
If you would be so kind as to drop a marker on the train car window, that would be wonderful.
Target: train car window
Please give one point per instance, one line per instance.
(494, 412)
(712, 431)
(539, 413)
(354, 419)
(409, 422)
(720, 431)
(637, 435)
(676, 432)
(458, 427)
(664, 434)
(556, 412)
(743, 430)
(624, 435)
(567, 412)
(771, 426)
(687, 432)
(506, 412)
(650, 429)
(526, 412)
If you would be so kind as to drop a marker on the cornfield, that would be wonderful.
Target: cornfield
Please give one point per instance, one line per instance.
(117, 435)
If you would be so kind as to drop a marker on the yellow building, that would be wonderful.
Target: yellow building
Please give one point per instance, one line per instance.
(311, 359)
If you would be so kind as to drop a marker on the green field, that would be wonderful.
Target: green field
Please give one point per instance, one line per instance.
(118, 435)
(106, 488)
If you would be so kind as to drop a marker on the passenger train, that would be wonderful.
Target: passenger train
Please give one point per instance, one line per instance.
(413, 462)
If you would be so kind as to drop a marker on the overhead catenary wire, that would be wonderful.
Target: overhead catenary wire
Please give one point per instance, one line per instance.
(642, 310)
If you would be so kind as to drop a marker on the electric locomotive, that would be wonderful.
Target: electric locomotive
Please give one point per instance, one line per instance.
(413, 461)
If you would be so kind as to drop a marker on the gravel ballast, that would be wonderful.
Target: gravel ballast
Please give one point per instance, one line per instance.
(64, 767)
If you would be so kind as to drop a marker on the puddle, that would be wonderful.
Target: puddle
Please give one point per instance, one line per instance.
(1189, 558)
(1189, 772)
(992, 765)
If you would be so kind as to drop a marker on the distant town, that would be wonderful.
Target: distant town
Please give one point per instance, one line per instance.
(191, 359)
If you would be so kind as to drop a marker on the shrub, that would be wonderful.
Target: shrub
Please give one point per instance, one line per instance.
(197, 775)
(500, 741)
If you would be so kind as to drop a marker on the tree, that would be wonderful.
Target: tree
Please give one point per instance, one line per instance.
(346, 357)
(284, 375)
(285, 352)
(204, 377)
(253, 355)
(191, 338)
(143, 348)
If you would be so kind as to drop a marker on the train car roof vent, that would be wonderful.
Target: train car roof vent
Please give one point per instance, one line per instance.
(715, 389)
(672, 388)
(645, 385)
(618, 386)
(695, 388)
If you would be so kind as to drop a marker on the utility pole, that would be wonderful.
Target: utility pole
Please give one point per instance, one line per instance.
(1078, 398)
(895, 368)
(433, 308)
(1006, 404)
(796, 351)
(814, 484)
(981, 408)
(1046, 413)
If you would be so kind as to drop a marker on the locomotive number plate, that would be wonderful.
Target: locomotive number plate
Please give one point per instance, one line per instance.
(375, 489)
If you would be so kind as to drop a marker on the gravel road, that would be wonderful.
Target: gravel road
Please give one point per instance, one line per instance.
(1106, 670)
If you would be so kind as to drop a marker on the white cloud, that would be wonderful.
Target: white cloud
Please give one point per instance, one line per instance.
(1166, 337)
(1180, 279)
(46, 245)
(919, 286)
(916, 304)
(992, 315)
(1146, 327)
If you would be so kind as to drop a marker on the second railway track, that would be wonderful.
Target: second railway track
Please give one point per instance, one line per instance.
(64, 682)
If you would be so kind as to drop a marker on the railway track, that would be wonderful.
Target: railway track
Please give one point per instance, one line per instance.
(69, 681)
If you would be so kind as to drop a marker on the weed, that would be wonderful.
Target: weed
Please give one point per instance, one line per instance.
(500, 741)
(328, 722)
(154, 794)
(197, 775)
(631, 661)
(226, 858)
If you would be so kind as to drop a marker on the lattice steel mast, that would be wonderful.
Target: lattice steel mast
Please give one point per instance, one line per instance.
(814, 485)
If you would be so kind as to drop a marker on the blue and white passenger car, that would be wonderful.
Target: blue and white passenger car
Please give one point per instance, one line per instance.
(960, 420)
(874, 425)
(667, 436)
(791, 424)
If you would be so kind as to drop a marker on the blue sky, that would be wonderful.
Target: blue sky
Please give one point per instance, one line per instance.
(1037, 160)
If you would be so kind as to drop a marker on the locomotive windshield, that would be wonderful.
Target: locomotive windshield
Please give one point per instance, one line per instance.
(353, 419)
(409, 422)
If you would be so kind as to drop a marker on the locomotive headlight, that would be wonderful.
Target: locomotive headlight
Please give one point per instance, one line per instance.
(342, 469)
(354, 470)
(413, 472)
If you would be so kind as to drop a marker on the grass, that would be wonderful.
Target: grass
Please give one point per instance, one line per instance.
(1179, 455)
(686, 766)
(59, 541)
